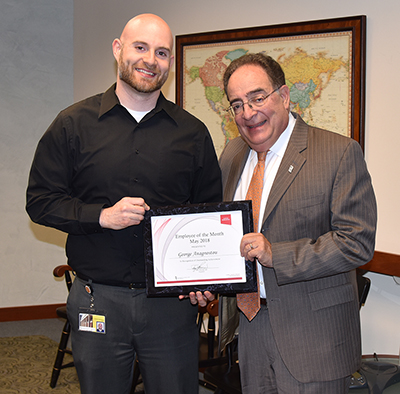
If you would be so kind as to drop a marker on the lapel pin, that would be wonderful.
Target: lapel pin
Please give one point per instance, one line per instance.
(290, 168)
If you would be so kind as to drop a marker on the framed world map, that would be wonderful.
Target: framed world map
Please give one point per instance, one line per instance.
(323, 61)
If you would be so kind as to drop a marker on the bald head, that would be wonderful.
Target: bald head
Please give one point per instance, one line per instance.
(151, 24)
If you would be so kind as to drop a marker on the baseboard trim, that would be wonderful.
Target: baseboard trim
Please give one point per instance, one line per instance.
(33, 312)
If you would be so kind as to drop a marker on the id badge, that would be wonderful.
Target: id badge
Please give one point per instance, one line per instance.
(92, 321)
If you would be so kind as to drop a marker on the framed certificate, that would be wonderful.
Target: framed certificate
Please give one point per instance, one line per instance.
(196, 248)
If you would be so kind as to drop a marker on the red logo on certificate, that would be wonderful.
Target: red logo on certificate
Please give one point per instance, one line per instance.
(226, 219)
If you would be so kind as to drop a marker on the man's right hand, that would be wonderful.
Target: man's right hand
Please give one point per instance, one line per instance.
(129, 211)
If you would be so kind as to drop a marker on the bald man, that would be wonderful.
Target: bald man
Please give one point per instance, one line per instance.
(98, 168)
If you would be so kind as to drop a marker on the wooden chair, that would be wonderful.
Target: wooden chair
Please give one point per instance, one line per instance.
(59, 272)
(363, 284)
(208, 343)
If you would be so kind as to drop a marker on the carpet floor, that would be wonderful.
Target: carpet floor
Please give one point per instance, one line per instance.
(26, 364)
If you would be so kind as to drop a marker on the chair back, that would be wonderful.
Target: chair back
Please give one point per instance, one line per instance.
(64, 270)
(364, 285)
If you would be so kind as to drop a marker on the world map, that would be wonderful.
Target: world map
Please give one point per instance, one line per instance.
(317, 70)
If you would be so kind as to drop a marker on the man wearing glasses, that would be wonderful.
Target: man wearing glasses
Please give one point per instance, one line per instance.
(316, 225)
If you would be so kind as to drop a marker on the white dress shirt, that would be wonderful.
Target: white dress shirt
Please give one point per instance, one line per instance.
(272, 163)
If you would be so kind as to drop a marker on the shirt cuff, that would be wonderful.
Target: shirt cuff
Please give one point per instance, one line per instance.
(90, 215)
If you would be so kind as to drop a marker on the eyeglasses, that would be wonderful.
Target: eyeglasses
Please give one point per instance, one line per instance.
(258, 101)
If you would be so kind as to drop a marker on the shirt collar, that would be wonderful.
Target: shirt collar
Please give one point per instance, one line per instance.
(110, 100)
(280, 145)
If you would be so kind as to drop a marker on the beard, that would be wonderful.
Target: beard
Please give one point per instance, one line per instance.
(127, 74)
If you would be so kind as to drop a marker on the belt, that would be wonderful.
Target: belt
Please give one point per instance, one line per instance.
(263, 301)
(132, 285)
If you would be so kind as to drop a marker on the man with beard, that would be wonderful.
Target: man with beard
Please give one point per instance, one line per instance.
(98, 168)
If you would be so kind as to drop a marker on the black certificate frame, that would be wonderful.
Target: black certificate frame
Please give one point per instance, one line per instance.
(221, 288)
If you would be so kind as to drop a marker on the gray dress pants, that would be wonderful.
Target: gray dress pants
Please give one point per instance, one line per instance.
(161, 331)
(262, 370)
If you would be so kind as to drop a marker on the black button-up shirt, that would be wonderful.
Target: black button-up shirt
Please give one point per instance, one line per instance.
(95, 153)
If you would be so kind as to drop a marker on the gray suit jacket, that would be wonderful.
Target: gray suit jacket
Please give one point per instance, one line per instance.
(320, 219)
